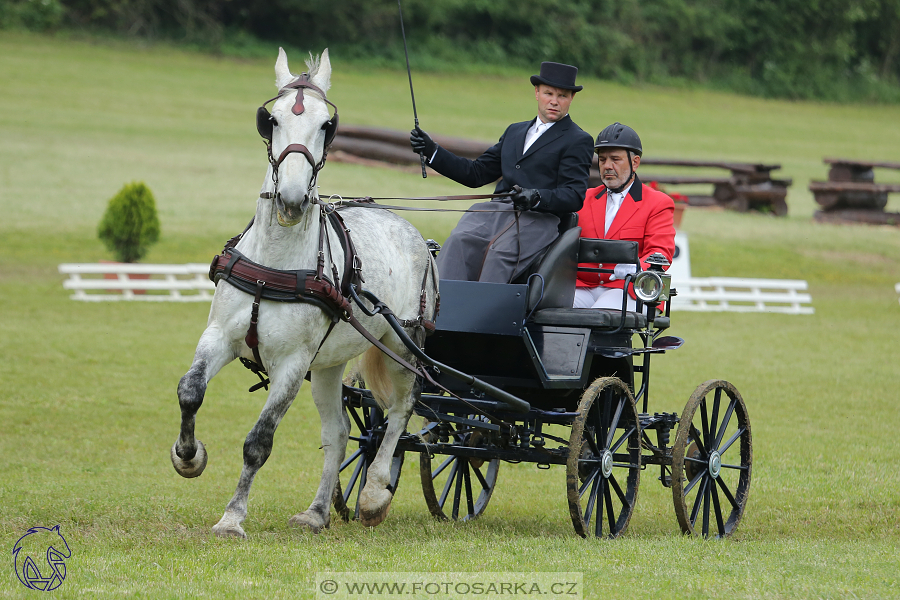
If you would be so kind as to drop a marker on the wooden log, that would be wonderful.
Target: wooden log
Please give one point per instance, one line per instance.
(377, 150)
(832, 195)
(866, 164)
(461, 147)
(847, 215)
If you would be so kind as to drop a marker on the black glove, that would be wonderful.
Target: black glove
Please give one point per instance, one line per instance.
(525, 199)
(422, 143)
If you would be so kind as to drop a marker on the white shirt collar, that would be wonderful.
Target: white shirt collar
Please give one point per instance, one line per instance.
(614, 202)
(536, 131)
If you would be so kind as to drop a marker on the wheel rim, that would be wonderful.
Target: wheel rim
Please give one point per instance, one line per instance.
(458, 487)
(604, 464)
(367, 427)
(712, 461)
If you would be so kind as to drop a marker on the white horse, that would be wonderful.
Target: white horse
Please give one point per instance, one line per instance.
(285, 235)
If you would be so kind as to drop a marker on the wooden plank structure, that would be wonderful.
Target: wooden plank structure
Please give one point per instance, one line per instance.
(105, 282)
(749, 186)
(851, 194)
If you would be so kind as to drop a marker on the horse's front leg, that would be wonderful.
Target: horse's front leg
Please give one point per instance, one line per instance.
(258, 445)
(213, 352)
(326, 392)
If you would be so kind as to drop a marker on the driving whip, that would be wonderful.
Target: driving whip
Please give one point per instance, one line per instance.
(411, 93)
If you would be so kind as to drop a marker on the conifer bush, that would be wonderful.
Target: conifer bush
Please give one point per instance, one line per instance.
(130, 224)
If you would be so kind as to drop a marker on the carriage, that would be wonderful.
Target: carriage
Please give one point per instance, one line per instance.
(513, 368)
(511, 372)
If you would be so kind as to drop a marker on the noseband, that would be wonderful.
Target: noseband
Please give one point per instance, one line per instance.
(265, 127)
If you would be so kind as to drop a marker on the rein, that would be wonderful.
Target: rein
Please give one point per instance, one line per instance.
(370, 202)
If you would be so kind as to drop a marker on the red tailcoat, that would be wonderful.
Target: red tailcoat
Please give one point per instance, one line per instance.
(645, 217)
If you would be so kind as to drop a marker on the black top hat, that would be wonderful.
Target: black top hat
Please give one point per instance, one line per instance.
(558, 75)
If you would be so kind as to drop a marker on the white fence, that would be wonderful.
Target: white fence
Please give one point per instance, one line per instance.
(736, 294)
(897, 289)
(104, 282)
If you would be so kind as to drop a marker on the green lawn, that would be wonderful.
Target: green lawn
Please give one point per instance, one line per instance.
(88, 409)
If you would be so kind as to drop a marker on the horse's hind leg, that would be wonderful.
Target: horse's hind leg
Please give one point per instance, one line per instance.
(213, 352)
(257, 448)
(326, 392)
(375, 499)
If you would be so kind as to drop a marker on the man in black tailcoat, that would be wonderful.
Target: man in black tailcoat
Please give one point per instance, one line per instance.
(545, 162)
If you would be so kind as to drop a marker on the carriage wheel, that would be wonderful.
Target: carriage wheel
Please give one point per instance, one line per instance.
(466, 484)
(711, 461)
(604, 465)
(367, 425)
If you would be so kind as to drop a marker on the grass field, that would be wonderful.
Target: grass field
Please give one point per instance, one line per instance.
(88, 409)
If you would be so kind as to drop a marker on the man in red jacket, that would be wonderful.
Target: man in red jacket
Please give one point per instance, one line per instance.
(622, 209)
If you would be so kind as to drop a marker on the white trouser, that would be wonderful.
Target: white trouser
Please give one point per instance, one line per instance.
(601, 297)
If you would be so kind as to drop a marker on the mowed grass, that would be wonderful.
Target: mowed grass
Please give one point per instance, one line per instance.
(88, 409)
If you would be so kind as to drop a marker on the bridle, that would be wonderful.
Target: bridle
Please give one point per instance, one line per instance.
(265, 126)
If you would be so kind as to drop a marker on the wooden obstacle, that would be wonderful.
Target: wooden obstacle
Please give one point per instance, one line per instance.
(748, 187)
(104, 282)
(851, 194)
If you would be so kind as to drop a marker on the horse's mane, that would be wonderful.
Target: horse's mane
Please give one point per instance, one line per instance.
(312, 65)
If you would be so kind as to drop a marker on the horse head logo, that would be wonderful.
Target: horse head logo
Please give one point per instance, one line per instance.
(40, 556)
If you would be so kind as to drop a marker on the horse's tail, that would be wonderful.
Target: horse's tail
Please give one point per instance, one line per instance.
(374, 372)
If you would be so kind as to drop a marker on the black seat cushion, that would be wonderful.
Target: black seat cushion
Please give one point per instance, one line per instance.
(604, 318)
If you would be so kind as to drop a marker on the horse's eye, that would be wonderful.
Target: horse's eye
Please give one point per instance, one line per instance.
(274, 121)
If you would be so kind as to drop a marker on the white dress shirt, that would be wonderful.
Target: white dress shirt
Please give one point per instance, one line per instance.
(536, 131)
(613, 203)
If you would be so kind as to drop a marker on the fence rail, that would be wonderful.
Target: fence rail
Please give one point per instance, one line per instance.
(736, 294)
(104, 282)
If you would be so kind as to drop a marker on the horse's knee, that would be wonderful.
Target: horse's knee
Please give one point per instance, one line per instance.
(192, 389)
(258, 447)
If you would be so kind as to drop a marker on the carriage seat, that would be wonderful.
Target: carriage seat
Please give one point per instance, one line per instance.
(595, 318)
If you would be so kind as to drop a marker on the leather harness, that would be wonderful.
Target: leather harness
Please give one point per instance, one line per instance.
(313, 287)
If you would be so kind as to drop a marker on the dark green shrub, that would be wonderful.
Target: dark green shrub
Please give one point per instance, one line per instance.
(130, 224)
(35, 15)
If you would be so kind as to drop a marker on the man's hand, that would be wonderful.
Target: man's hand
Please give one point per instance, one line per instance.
(525, 199)
(621, 270)
(422, 143)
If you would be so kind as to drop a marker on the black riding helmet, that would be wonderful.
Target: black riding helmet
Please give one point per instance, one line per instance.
(620, 136)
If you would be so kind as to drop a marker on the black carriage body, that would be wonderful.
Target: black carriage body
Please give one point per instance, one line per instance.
(546, 357)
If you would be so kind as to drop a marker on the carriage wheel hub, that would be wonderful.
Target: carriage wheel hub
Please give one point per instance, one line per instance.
(715, 464)
(606, 464)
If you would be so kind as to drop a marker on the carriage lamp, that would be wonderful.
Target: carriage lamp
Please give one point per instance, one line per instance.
(653, 284)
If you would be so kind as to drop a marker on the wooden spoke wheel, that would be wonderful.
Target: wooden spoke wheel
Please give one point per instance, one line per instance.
(465, 484)
(367, 426)
(711, 461)
(604, 465)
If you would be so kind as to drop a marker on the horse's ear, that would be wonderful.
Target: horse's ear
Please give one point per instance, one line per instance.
(283, 75)
(322, 76)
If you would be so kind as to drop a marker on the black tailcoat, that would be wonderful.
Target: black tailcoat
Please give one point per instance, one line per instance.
(492, 246)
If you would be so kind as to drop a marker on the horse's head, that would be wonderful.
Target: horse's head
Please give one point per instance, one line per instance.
(299, 128)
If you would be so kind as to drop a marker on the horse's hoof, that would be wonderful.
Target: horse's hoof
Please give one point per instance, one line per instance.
(190, 468)
(374, 506)
(311, 521)
(373, 519)
(227, 528)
